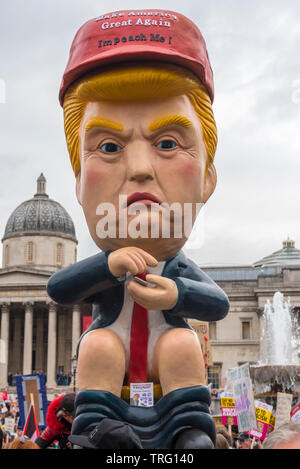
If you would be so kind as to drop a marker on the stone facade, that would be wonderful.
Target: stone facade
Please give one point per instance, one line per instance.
(47, 251)
(236, 339)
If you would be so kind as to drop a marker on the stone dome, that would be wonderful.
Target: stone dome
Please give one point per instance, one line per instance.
(40, 216)
(286, 256)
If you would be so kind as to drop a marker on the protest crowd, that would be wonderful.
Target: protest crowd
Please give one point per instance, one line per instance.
(273, 429)
(62, 379)
(53, 435)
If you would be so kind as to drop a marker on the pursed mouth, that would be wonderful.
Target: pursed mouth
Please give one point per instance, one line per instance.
(143, 198)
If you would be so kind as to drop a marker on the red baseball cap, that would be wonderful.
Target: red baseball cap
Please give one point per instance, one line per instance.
(138, 35)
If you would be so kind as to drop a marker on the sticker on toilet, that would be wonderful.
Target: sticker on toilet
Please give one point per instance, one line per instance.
(141, 394)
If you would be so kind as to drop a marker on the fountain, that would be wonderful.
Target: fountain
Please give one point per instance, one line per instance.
(279, 365)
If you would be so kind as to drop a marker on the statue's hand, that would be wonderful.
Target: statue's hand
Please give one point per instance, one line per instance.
(163, 296)
(130, 259)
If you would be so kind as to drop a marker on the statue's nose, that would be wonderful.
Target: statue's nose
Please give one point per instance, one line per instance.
(140, 162)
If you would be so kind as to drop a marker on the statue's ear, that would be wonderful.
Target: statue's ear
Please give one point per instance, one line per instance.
(78, 187)
(210, 182)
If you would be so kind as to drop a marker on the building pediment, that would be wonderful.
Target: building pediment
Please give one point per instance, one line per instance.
(17, 276)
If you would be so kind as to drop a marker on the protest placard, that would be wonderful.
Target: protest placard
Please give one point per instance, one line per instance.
(271, 424)
(32, 388)
(295, 413)
(3, 408)
(202, 330)
(9, 424)
(263, 417)
(283, 409)
(228, 409)
(239, 382)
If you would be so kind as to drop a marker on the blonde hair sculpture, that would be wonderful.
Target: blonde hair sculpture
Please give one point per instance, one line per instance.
(136, 83)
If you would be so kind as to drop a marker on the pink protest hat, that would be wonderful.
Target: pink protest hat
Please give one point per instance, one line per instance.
(138, 35)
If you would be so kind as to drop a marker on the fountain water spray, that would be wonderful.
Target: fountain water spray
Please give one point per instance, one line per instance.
(279, 365)
(280, 343)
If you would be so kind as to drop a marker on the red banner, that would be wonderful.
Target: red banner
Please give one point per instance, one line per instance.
(86, 322)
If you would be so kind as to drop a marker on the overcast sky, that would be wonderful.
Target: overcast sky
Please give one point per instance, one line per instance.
(254, 52)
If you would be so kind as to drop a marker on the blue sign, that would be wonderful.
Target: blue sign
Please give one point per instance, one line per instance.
(32, 389)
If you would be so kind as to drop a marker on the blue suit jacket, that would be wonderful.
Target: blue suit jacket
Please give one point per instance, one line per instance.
(90, 281)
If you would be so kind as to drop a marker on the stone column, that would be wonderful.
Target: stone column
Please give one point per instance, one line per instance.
(18, 353)
(76, 332)
(61, 339)
(52, 337)
(4, 342)
(39, 342)
(27, 353)
(76, 328)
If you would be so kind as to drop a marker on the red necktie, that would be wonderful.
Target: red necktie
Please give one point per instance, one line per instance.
(138, 362)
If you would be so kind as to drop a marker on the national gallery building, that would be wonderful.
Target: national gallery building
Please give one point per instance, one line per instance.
(39, 335)
(36, 333)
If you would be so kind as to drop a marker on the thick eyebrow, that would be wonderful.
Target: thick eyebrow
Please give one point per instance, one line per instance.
(169, 120)
(101, 122)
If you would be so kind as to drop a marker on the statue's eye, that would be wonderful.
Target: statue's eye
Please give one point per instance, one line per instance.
(110, 147)
(166, 145)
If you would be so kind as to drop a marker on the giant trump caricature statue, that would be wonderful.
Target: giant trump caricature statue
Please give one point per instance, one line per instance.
(137, 97)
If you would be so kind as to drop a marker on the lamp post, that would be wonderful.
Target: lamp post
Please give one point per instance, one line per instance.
(74, 368)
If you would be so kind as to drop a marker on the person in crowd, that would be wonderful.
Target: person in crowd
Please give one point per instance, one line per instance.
(221, 442)
(257, 444)
(224, 432)
(19, 430)
(22, 442)
(234, 431)
(19, 373)
(1, 438)
(10, 379)
(59, 419)
(17, 414)
(244, 441)
(60, 379)
(285, 437)
(69, 375)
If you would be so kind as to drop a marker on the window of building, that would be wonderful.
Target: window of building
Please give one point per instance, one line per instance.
(213, 331)
(246, 330)
(59, 254)
(29, 252)
(6, 256)
(214, 375)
